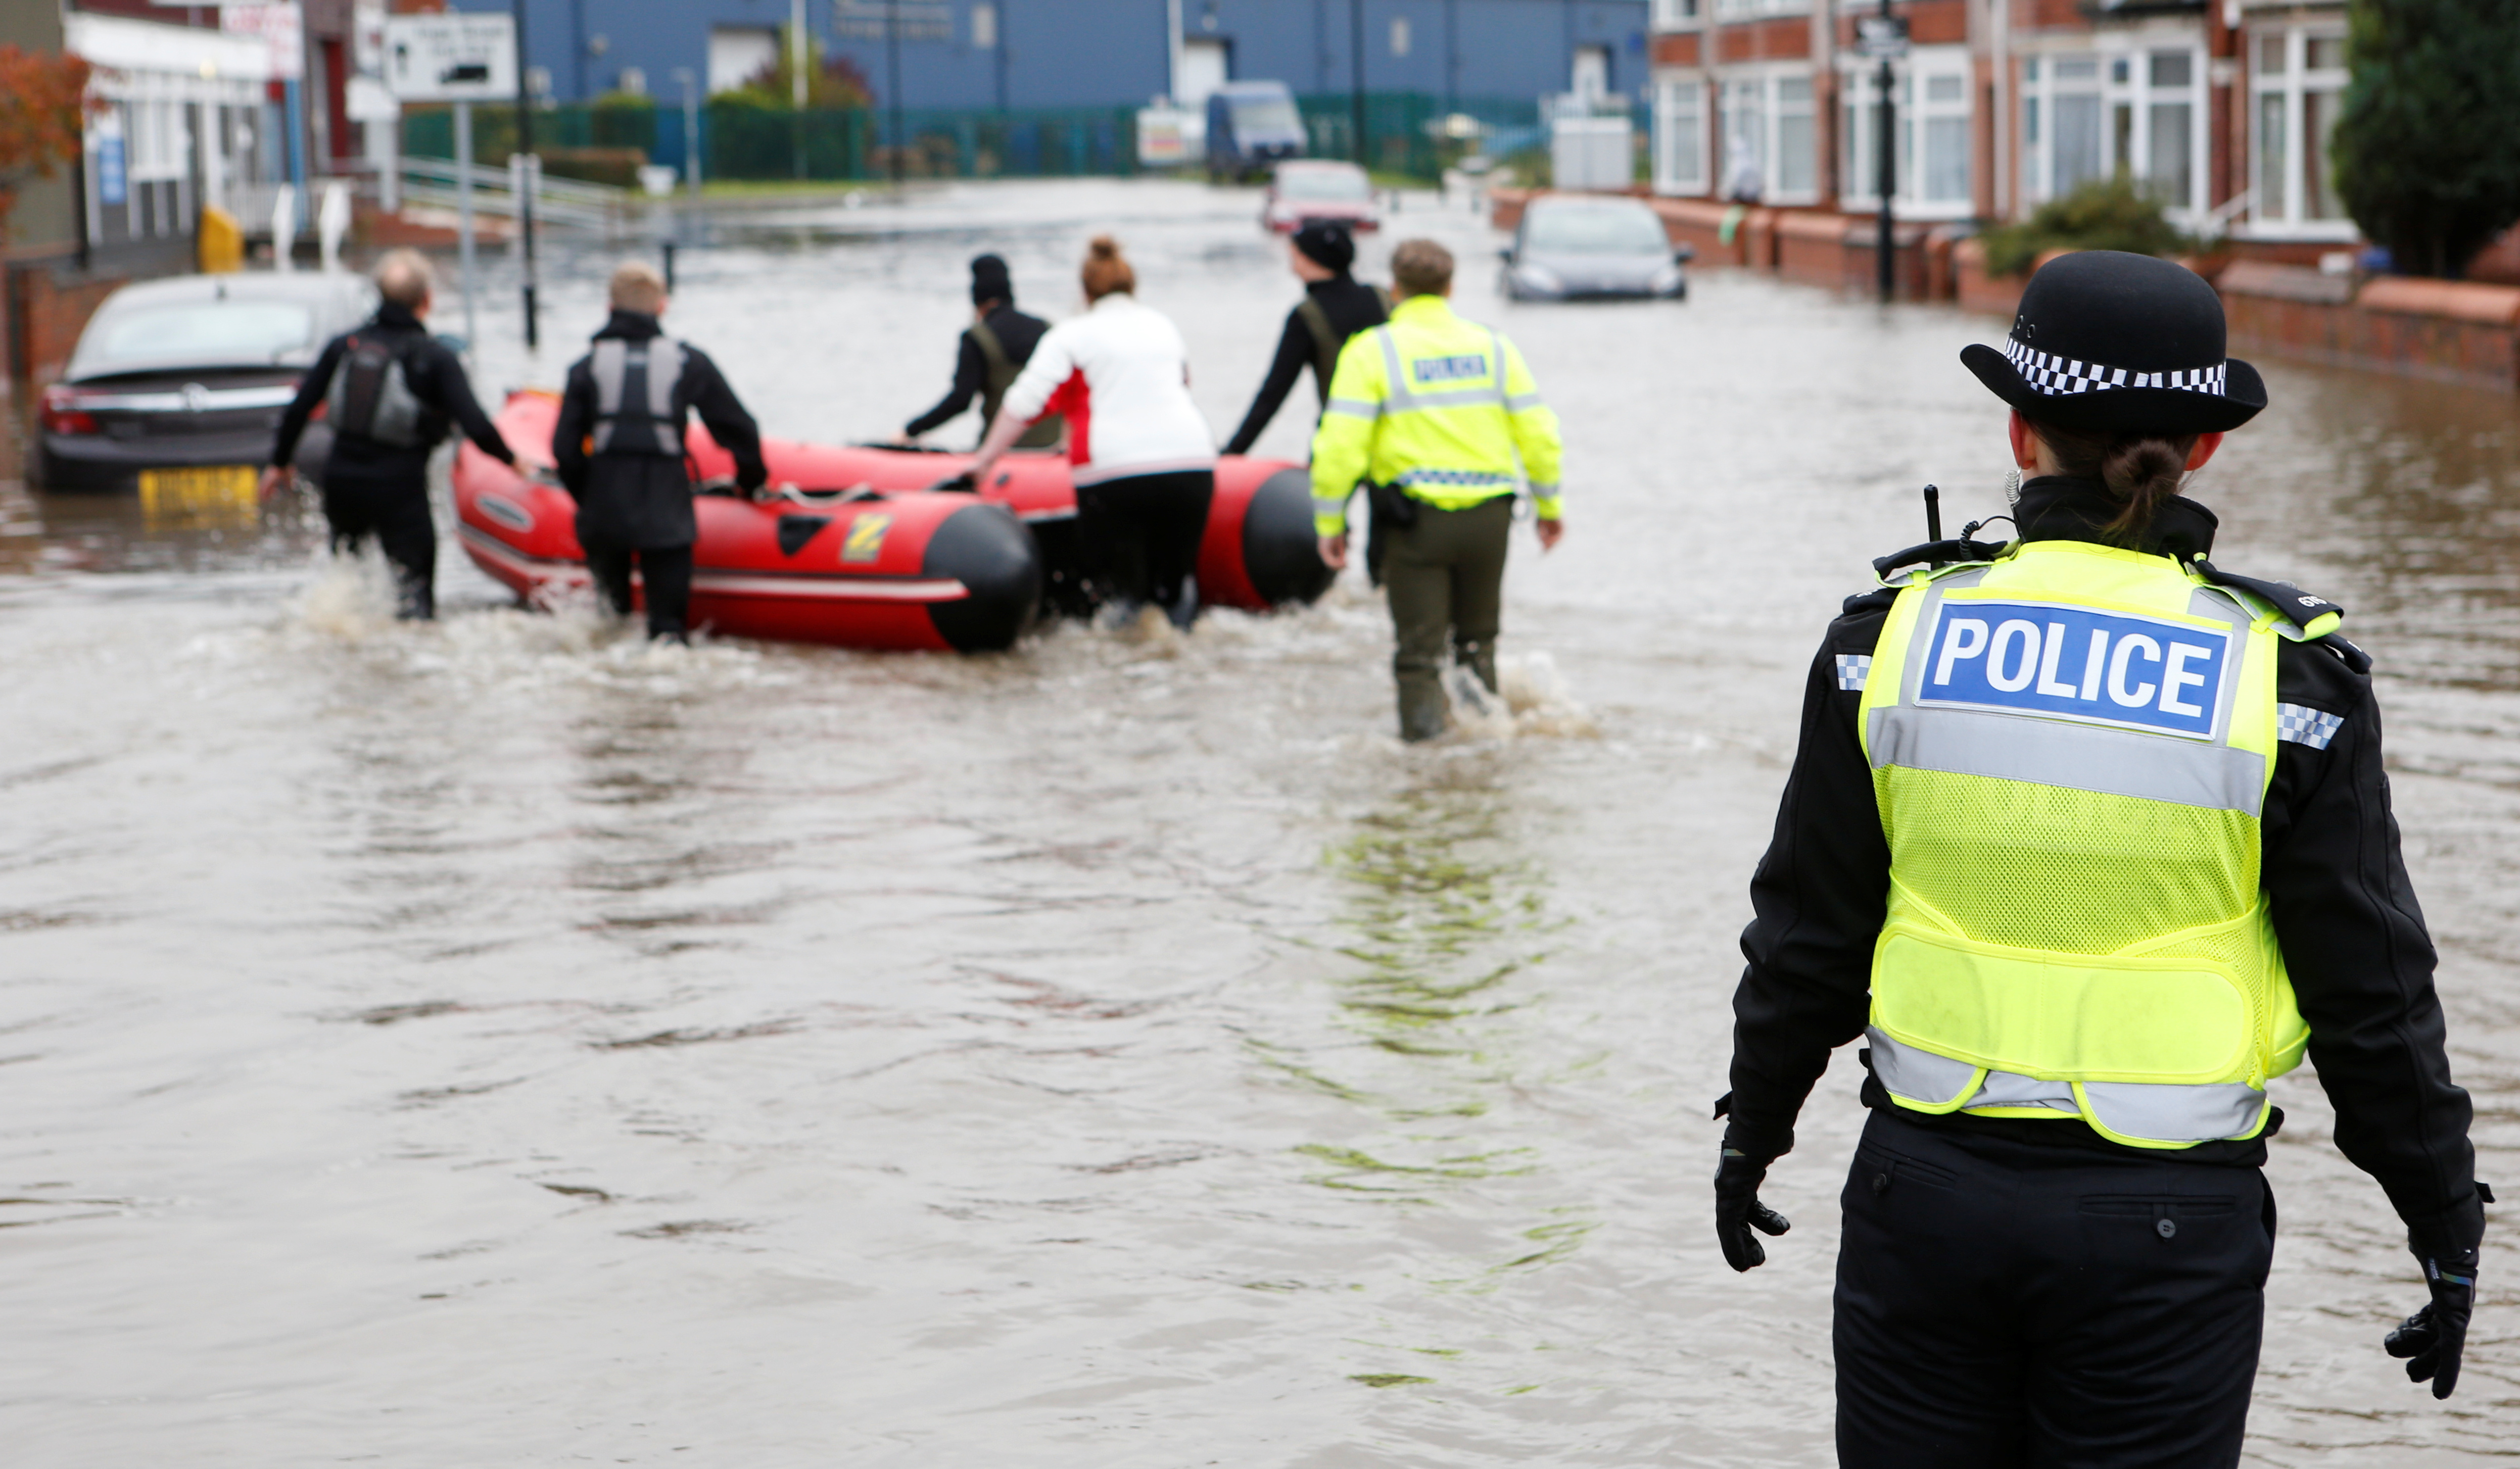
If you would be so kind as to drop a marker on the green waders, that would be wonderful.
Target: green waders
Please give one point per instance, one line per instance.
(1445, 575)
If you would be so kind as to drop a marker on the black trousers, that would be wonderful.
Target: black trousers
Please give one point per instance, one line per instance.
(1140, 534)
(667, 572)
(396, 517)
(2003, 1304)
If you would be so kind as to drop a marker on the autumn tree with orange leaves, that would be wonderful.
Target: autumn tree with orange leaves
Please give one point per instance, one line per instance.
(43, 110)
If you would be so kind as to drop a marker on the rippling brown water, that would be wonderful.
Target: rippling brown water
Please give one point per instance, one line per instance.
(493, 1042)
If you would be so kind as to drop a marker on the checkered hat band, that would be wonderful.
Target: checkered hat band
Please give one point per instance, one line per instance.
(2057, 377)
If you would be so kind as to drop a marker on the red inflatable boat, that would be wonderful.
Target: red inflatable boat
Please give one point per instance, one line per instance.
(864, 553)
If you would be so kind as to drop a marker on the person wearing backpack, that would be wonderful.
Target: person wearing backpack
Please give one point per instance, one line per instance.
(389, 392)
(995, 348)
(1336, 307)
(617, 445)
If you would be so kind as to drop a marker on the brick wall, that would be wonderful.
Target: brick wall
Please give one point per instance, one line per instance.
(1787, 38)
(1679, 49)
(2449, 331)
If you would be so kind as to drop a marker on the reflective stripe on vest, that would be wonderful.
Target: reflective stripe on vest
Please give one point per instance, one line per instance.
(627, 373)
(1450, 489)
(2070, 750)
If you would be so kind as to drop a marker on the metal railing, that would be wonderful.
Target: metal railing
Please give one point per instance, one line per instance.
(566, 203)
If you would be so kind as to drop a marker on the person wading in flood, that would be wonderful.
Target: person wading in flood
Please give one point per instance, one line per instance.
(995, 348)
(2089, 838)
(1144, 461)
(618, 447)
(1334, 308)
(1437, 417)
(390, 391)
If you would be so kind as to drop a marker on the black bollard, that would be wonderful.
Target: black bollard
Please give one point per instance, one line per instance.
(669, 267)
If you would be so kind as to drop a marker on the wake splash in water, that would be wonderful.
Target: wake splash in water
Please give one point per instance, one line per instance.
(1531, 702)
(349, 605)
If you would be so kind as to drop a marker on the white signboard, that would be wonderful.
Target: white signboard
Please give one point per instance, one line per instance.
(282, 28)
(451, 57)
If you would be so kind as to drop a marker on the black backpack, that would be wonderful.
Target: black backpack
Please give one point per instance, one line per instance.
(371, 396)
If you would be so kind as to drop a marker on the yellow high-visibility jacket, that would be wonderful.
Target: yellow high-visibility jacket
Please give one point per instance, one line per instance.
(1443, 408)
(2070, 749)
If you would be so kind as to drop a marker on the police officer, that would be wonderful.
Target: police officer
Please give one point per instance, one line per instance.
(2089, 839)
(995, 348)
(392, 391)
(1334, 308)
(1438, 417)
(618, 447)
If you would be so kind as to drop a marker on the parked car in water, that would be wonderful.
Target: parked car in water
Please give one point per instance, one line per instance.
(1250, 125)
(1309, 189)
(1570, 246)
(176, 386)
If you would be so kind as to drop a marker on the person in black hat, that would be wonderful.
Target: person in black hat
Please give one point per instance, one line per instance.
(1334, 308)
(2088, 839)
(995, 348)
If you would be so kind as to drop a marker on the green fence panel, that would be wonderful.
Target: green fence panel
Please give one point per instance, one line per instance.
(1408, 133)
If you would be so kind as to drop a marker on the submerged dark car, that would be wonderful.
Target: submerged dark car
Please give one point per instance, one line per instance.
(177, 384)
(1570, 247)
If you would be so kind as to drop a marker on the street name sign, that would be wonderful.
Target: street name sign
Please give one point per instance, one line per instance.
(451, 57)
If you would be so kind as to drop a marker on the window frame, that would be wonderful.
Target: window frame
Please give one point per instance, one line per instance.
(2037, 87)
(1858, 98)
(1763, 79)
(1669, 91)
(2290, 219)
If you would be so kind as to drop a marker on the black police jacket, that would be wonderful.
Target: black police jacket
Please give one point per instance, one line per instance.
(1015, 331)
(1351, 307)
(645, 499)
(436, 378)
(2353, 937)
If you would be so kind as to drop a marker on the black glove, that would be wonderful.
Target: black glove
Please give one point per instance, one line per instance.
(1738, 1209)
(2433, 1339)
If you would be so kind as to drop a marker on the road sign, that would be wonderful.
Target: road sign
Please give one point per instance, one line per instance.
(1882, 37)
(451, 57)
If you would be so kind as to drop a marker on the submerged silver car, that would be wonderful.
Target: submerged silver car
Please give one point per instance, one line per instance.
(1572, 246)
(176, 385)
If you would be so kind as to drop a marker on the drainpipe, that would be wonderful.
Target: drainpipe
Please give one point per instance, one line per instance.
(1173, 50)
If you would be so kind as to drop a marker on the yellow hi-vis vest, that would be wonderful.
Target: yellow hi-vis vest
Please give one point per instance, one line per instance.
(2070, 748)
(1444, 408)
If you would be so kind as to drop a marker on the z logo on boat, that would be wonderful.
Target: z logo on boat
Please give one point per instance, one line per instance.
(865, 536)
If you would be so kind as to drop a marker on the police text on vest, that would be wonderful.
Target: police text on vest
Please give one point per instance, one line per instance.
(2071, 662)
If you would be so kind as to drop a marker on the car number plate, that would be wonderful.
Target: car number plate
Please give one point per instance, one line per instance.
(212, 492)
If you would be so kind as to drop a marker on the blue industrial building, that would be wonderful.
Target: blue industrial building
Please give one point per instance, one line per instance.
(1035, 53)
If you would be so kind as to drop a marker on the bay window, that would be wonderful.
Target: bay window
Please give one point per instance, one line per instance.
(2297, 80)
(1932, 140)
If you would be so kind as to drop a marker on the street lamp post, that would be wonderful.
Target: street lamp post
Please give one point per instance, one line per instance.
(1356, 78)
(892, 79)
(691, 130)
(1885, 38)
(525, 172)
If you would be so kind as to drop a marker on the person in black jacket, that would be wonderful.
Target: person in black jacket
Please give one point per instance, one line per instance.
(618, 447)
(391, 391)
(994, 350)
(2063, 1263)
(1334, 308)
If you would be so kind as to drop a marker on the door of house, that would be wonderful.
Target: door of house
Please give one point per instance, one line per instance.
(1206, 65)
(1590, 78)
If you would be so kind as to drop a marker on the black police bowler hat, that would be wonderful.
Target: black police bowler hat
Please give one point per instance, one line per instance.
(2111, 340)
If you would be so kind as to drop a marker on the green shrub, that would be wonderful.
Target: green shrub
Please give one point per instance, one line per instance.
(2103, 214)
(621, 119)
(617, 166)
(2425, 156)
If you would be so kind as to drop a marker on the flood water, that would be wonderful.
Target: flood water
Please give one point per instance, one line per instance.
(493, 1042)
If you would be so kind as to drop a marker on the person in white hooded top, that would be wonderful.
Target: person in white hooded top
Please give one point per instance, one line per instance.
(1143, 456)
